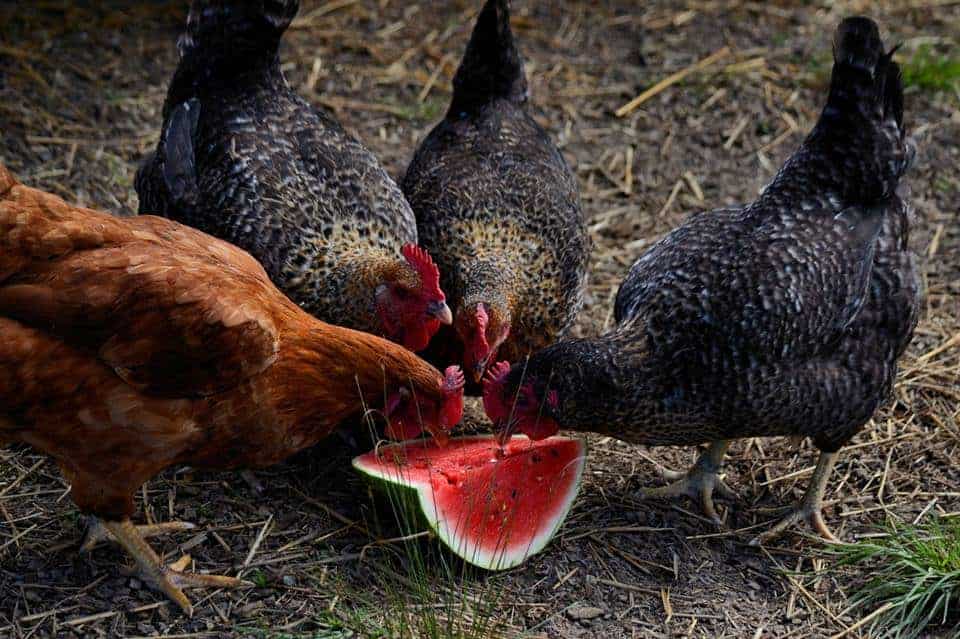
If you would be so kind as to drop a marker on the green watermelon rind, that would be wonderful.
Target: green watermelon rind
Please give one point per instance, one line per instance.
(386, 480)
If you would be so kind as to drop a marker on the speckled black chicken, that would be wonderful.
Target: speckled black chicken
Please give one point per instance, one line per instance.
(243, 157)
(498, 208)
(783, 317)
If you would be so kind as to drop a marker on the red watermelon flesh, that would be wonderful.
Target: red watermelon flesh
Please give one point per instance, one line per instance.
(492, 507)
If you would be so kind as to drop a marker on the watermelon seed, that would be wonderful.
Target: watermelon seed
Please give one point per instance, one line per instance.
(451, 478)
(536, 458)
(513, 494)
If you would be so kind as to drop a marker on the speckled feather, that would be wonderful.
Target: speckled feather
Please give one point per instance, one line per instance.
(782, 317)
(130, 345)
(244, 158)
(496, 204)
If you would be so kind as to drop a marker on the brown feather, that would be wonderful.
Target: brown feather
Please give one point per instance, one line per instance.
(130, 345)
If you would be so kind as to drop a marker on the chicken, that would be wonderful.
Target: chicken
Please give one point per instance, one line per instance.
(132, 345)
(243, 157)
(498, 208)
(782, 317)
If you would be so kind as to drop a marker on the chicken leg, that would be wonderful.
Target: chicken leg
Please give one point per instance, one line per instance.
(97, 533)
(700, 481)
(168, 579)
(810, 508)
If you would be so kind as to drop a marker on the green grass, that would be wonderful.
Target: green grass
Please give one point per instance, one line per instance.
(419, 590)
(945, 185)
(430, 110)
(925, 69)
(931, 71)
(259, 578)
(422, 603)
(412, 587)
(913, 578)
(780, 38)
(335, 631)
(817, 68)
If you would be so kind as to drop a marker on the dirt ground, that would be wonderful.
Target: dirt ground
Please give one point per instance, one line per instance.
(81, 87)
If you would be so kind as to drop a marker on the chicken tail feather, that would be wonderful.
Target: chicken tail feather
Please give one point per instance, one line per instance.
(229, 28)
(864, 73)
(861, 128)
(179, 167)
(492, 66)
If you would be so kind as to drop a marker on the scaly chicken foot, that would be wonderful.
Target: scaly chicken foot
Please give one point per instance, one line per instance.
(170, 580)
(97, 533)
(810, 508)
(699, 482)
(678, 475)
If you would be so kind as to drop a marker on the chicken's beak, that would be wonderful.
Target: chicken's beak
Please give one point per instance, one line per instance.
(441, 312)
(477, 370)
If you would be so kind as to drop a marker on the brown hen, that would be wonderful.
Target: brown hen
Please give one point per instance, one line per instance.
(131, 345)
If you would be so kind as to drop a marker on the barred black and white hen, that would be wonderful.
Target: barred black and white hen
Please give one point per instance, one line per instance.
(499, 209)
(243, 157)
(782, 317)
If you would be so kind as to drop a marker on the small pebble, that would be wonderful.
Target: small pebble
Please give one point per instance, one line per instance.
(584, 613)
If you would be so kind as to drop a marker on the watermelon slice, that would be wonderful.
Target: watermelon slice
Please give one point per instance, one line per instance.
(492, 507)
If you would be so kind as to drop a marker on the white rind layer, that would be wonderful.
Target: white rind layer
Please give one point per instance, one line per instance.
(459, 543)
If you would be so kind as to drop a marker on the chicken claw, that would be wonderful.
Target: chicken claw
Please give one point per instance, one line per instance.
(699, 482)
(97, 533)
(810, 509)
(170, 580)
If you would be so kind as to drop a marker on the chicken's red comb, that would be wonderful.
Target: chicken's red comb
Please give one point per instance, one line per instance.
(424, 265)
(453, 379)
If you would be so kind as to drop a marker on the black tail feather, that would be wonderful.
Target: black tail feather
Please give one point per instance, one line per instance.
(179, 161)
(865, 78)
(232, 28)
(492, 66)
(860, 131)
(893, 90)
(857, 43)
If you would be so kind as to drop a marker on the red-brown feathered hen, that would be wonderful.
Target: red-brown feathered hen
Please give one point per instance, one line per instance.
(132, 345)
